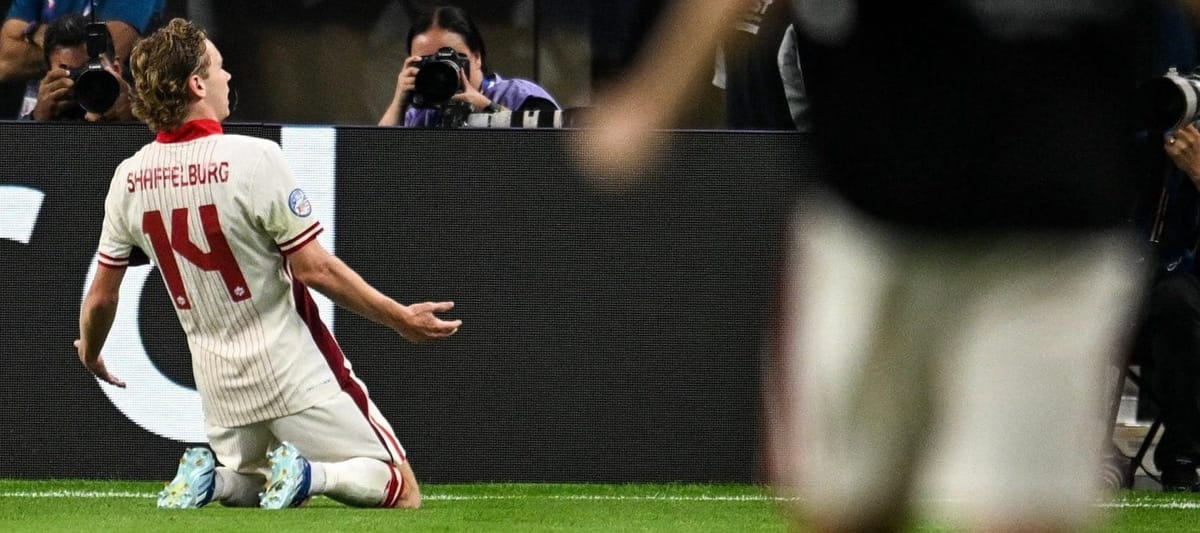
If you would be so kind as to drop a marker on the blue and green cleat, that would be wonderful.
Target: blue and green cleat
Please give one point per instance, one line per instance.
(193, 485)
(291, 478)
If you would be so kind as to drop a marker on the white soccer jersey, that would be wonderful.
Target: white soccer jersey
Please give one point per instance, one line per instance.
(218, 215)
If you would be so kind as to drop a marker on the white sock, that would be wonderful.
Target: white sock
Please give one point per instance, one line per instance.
(236, 490)
(317, 483)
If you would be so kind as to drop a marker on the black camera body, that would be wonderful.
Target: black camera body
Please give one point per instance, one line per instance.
(439, 77)
(1170, 101)
(95, 89)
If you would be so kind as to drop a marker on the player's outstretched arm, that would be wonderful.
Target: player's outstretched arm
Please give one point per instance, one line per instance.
(96, 319)
(315, 267)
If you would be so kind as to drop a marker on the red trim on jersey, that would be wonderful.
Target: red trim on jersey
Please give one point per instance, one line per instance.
(294, 244)
(306, 307)
(190, 131)
(114, 267)
(110, 261)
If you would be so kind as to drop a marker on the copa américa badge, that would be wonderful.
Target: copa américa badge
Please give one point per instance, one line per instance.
(299, 204)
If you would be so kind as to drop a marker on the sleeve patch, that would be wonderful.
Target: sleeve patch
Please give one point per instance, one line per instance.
(299, 204)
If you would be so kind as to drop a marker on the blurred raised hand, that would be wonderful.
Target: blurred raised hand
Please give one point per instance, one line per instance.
(629, 115)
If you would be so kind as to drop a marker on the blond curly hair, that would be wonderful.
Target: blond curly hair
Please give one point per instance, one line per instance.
(161, 65)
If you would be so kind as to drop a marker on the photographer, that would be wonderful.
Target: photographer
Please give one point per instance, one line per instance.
(1169, 338)
(479, 89)
(55, 97)
(1173, 321)
(22, 37)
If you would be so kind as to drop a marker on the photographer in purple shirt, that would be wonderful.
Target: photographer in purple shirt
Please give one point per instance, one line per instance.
(444, 44)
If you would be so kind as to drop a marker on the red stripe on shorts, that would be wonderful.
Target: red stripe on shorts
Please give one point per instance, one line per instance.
(306, 307)
(395, 488)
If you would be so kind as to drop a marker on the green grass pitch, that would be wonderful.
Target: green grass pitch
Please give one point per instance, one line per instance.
(77, 506)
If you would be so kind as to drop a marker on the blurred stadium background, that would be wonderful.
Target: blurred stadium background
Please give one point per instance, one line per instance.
(335, 62)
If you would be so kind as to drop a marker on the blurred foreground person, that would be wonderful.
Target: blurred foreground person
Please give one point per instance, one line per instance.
(959, 288)
(234, 239)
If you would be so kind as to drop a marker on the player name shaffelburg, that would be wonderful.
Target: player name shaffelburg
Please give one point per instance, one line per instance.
(197, 174)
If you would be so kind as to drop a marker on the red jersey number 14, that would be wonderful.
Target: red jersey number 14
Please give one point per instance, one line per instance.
(219, 258)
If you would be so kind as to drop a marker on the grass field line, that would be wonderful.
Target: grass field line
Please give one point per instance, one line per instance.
(427, 496)
(1152, 504)
(1134, 503)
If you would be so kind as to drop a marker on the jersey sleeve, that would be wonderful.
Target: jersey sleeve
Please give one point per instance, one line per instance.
(116, 243)
(136, 13)
(279, 205)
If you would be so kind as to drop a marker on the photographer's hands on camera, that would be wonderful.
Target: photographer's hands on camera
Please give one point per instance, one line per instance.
(406, 83)
(122, 108)
(1183, 147)
(56, 97)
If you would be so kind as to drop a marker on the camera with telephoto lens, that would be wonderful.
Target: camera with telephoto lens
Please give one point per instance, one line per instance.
(439, 78)
(1170, 101)
(96, 89)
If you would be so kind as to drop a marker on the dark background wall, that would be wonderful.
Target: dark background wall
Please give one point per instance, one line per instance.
(606, 338)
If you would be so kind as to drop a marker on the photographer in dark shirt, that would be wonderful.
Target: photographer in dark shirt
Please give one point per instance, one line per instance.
(1168, 349)
(1173, 322)
(67, 55)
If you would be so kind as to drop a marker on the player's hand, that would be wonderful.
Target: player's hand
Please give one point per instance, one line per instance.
(618, 149)
(54, 95)
(623, 140)
(421, 323)
(96, 365)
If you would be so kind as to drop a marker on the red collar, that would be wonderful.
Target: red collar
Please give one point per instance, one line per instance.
(190, 131)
